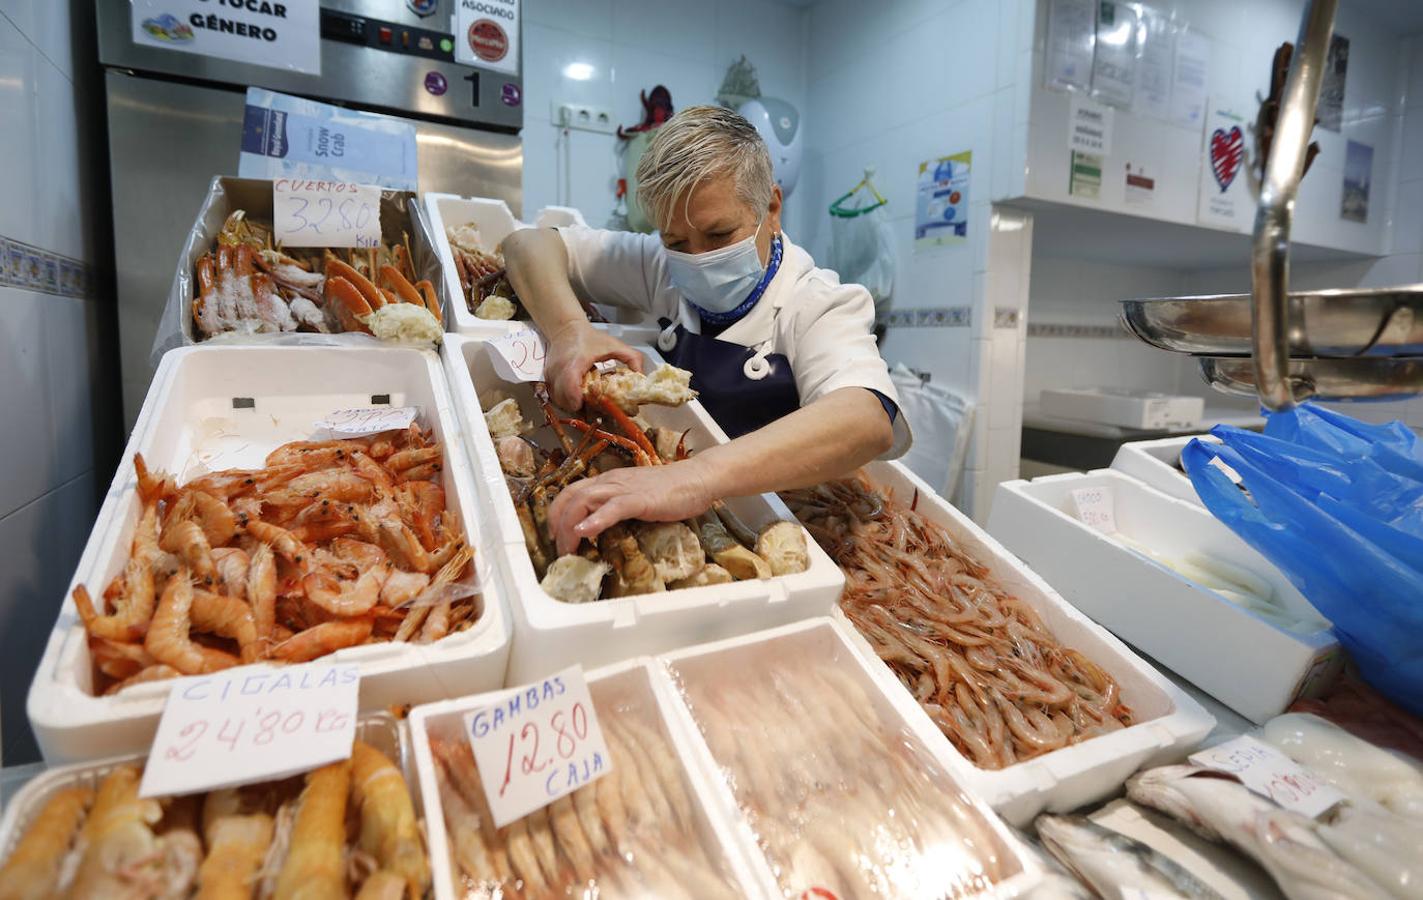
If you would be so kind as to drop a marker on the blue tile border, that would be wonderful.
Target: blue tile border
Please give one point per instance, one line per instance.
(1047, 329)
(34, 268)
(931, 317)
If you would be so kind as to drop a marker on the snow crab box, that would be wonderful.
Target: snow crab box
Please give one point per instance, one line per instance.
(398, 218)
(218, 407)
(551, 634)
(495, 222)
(1158, 464)
(709, 863)
(380, 730)
(1243, 659)
(759, 758)
(1168, 723)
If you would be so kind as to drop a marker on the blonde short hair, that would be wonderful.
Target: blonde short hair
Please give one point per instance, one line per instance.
(697, 143)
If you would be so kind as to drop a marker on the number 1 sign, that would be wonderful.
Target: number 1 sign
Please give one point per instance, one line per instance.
(537, 744)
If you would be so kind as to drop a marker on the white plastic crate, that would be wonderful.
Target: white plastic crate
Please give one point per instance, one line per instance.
(190, 425)
(1251, 665)
(1168, 726)
(380, 730)
(1156, 464)
(829, 640)
(496, 222)
(551, 634)
(631, 680)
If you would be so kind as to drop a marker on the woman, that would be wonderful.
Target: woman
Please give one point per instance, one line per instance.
(781, 352)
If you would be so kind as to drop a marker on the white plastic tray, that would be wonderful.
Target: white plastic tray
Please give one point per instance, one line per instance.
(496, 222)
(551, 634)
(834, 640)
(380, 730)
(1247, 663)
(189, 425)
(1153, 463)
(1169, 724)
(631, 678)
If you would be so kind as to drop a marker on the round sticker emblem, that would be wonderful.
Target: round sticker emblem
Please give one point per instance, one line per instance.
(488, 40)
(435, 83)
(422, 8)
(510, 94)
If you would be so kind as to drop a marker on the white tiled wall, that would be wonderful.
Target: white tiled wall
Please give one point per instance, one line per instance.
(48, 365)
(892, 85)
(1243, 37)
(632, 46)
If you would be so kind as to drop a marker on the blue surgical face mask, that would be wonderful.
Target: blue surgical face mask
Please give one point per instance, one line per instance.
(718, 280)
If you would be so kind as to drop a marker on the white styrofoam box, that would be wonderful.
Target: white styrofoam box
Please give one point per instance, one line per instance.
(379, 729)
(551, 634)
(630, 681)
(834, 641)
(495, 223)
(1169, 724)
(1254, 667)
(192, 424)
(1127, 408)
(1156, 463)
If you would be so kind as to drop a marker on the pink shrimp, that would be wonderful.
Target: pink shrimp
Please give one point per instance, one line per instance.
(319, 640)
(168, 639)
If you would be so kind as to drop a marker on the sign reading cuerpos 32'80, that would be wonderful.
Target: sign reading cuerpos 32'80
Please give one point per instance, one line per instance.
(283, 34)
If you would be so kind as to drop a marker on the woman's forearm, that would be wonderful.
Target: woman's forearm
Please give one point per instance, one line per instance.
(537, 262)
(830, 438)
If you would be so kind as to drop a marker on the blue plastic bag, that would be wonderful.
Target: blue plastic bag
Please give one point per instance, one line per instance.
(1329, 506)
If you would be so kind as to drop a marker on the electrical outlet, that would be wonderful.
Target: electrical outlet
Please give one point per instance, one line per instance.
(584, 118)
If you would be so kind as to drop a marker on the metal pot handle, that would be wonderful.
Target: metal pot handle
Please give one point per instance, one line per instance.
(1270, 256)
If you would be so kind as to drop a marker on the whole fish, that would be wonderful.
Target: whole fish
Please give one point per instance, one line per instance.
(1114, 865)
(1284, 843)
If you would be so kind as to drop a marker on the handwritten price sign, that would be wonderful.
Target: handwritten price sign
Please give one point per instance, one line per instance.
(519, 355)
(325, 213)
(247, 726)
(538, 744)
(347, 423)
(1096, 508)
(1270, 773)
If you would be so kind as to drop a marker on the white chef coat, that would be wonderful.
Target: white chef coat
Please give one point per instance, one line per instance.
(822, 327)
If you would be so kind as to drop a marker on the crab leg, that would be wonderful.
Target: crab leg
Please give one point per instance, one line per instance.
(391, 278)
(432, 303)
(336, 268)
(630, 427)
(349, 303)
(541, 393)
(631, 446)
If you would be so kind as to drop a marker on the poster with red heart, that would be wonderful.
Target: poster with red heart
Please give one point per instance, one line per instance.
(1227, 191)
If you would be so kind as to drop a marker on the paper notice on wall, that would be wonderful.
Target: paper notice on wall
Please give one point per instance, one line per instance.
(1358, 173)
(1157, 41)
(1114, 62)
(487, 34)
(1189, 72)
(941, 201)
(292, 136)
(1071, 32)
(1085, 177)
(1089, 126)
(279, 35)
(1225, 199)
(1140, 187)
(1331, 91)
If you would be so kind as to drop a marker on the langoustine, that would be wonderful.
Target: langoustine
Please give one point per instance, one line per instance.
(983, 665)
(330, 545)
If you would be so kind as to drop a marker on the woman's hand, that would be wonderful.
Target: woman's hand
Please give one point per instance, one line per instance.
(667, 493)
(572, 351)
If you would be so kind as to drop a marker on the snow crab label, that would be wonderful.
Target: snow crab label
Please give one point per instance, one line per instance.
(249, 725)
(537, 744)
(1270, 773)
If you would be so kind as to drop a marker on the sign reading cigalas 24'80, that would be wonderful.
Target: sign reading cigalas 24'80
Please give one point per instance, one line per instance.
(283, 34)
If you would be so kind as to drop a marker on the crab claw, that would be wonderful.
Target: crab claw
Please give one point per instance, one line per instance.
(348, 303)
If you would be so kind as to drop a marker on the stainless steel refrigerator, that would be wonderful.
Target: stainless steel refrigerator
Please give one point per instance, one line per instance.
(175, 120)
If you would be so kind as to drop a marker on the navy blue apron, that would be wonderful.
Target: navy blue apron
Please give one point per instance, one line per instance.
(725, 377)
